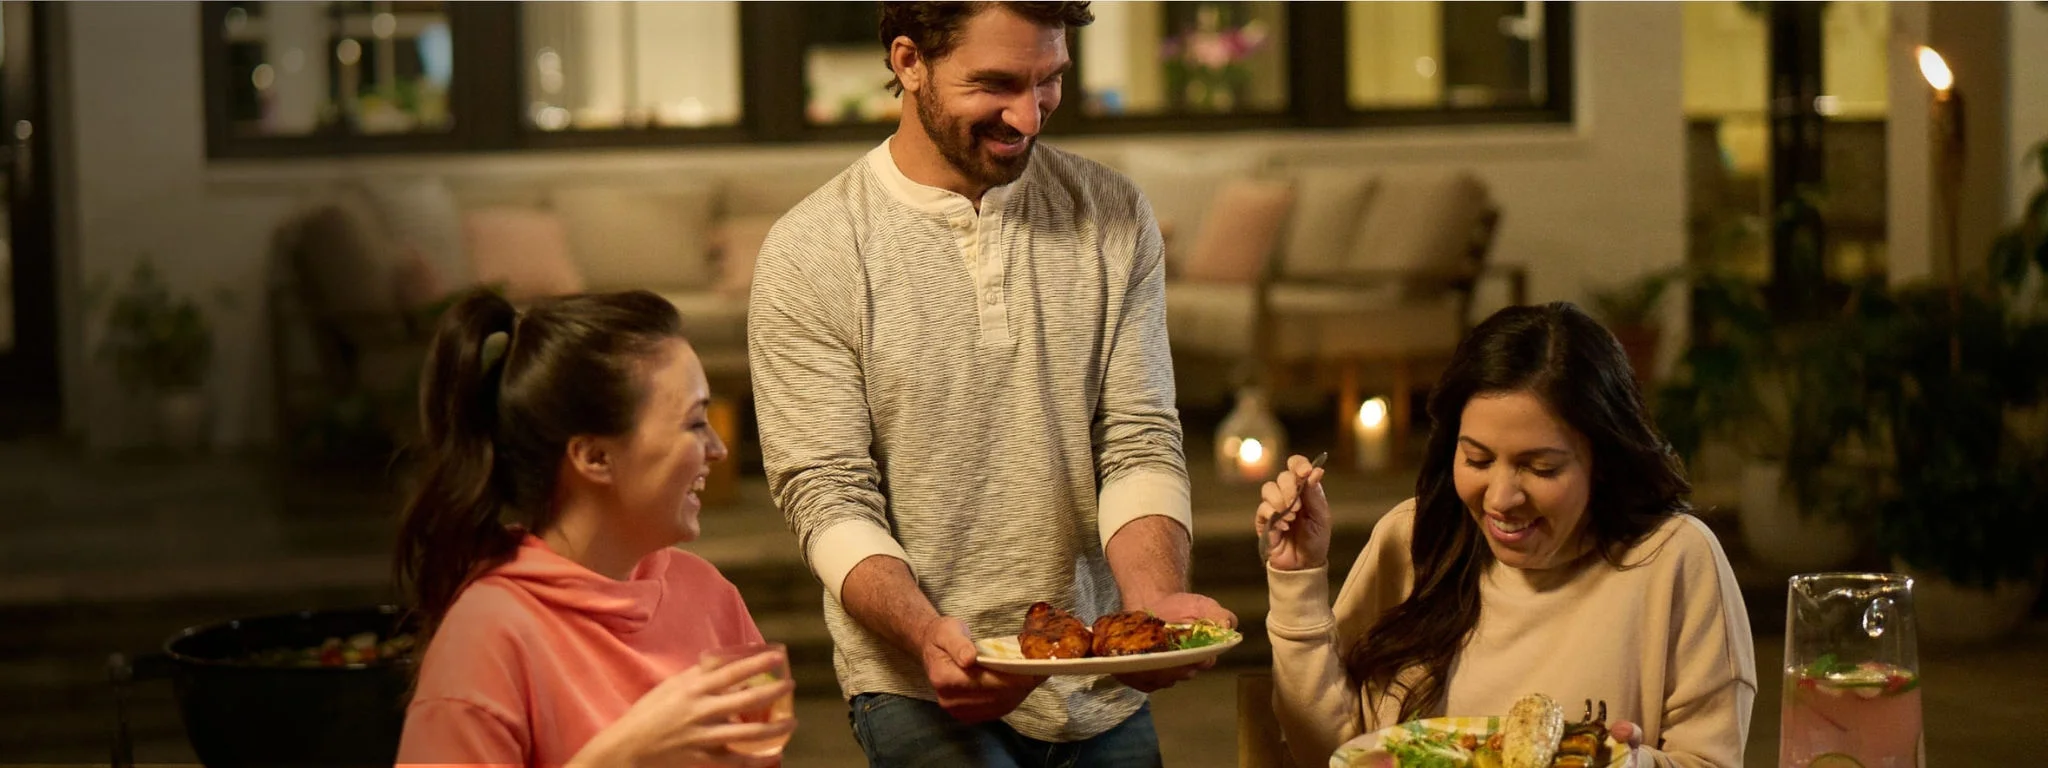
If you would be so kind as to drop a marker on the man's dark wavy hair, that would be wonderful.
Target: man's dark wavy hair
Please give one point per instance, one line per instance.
(935, 27)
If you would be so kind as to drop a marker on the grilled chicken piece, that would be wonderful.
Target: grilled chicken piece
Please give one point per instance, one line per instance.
(1131, 632)
(1530, 735)
(1050, 633)
(1584, 743)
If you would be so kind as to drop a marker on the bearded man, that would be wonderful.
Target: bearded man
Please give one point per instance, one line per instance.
(966, 403)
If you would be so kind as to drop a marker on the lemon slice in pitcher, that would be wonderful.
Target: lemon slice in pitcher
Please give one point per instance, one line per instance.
(1834, 760)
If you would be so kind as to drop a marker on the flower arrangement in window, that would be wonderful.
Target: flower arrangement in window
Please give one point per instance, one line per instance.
(1206, 63)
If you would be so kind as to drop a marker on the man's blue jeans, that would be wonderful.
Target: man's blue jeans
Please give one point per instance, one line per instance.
(903, 732)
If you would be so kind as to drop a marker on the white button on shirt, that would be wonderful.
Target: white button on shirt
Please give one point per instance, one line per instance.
(978, 233)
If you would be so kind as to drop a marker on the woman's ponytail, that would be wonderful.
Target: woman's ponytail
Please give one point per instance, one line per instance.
(451, 530)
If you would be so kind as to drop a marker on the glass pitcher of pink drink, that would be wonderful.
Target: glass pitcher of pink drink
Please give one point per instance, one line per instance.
(1852, 673)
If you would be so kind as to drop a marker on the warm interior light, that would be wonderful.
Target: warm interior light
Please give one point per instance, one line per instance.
(1935, 70)
(1250, 451)
(1373, 413)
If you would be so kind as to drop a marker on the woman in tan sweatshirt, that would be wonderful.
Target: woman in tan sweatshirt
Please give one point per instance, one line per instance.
(1552, 543)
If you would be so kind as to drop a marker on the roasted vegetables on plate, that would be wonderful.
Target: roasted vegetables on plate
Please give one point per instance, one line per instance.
(1534, 734)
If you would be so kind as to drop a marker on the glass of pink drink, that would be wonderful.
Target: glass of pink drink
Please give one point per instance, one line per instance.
(1852, 673)
(782, 708)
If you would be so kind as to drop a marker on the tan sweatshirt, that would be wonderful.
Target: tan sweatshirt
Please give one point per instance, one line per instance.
(1663, 640)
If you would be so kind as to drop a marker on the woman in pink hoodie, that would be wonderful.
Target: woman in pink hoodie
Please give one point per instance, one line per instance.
(563, 450)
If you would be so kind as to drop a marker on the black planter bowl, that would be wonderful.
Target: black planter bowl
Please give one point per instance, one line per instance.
(239, 712)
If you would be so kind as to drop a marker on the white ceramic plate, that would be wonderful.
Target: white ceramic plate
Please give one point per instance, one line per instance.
(1370, 750)
(1002, 655)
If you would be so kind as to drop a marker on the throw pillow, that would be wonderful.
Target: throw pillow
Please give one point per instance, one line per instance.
(422, 212)
(1240, 231)
(1420, 223)
(1181, 186)
(526, 250)
(1328, 203)
(623, 237)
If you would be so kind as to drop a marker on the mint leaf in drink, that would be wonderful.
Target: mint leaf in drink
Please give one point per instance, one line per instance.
(1828, 665)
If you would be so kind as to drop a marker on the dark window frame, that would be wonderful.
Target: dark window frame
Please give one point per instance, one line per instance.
(487, 115)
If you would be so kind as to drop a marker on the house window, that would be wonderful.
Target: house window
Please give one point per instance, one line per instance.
(1446, 55)
(1170, 58)
(361, 68)
(391, 76)
(612, 65)
(845, 75)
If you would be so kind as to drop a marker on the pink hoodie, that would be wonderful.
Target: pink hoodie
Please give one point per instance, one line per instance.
(540, 654)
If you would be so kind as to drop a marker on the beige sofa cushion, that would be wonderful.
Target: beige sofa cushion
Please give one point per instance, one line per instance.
(625, 237)
(422, 214)
(1374, 327)
(525, 249)
(1239, 232)
(711, 320)
(1419, 222)
(1211, 318)
(773, 194)
(1311, 299)
(1327, 206)
(501, 190)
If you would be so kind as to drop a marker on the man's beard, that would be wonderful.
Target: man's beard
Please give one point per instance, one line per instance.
(960, 144)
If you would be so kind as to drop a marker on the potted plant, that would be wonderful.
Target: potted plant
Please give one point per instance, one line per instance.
(1778, 392)
(1959, 378)
(1968, 470)
(1629, 310)
(161, 347)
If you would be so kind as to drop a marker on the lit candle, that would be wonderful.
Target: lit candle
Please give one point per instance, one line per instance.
(1252, 462)
(1370, 434)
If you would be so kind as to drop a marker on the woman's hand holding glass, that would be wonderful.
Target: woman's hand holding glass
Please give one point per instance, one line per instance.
(1293, 520)
(710, 714)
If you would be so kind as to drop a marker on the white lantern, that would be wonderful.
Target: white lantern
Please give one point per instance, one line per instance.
(1250, 444)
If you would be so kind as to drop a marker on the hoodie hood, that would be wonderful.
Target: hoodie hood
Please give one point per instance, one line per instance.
(565, 585)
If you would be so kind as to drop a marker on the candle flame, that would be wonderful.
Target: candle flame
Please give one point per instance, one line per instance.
(1935, 70)
(1373, 413)
(1250, 451)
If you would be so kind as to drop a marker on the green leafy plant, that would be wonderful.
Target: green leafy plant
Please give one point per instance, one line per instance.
(2024, 246)
(1766, 370)
(1952, 375)
(1633, 304)
(158, 342)
(1914, 410)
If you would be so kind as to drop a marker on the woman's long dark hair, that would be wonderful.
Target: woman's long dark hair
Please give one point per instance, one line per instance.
(1564, 357)
(502, 394)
